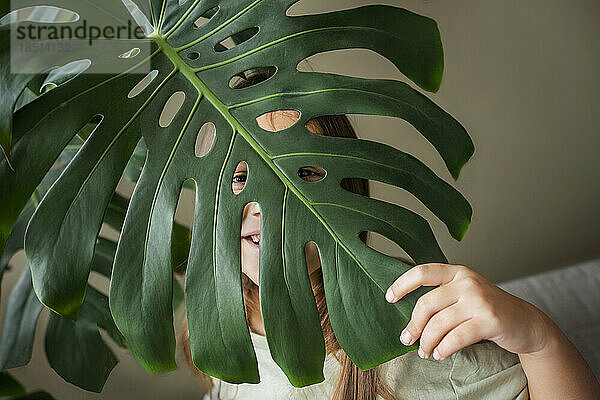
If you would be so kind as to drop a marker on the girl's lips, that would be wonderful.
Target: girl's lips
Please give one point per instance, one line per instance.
(251, 243)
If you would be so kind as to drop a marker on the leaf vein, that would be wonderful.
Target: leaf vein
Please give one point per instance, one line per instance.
(218, 28)
(266, 45)
(85, 91)
(283, 215)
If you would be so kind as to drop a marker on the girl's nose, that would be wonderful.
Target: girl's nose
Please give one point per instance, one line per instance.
(254, 209)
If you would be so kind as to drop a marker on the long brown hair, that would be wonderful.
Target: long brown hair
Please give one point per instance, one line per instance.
(352, 383)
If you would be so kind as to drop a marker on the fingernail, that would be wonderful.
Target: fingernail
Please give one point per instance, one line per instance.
(436, 354)
(421, 353)
(405, 337)
(389, 295)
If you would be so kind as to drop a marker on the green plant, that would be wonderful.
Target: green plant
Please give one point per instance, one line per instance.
(239, 36)
(74, 349)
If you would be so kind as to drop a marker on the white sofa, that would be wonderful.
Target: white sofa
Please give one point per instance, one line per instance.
(571, 297)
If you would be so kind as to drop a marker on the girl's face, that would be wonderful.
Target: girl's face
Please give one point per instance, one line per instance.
(251, 215)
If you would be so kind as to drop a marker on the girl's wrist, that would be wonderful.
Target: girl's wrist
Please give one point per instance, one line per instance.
(550, 338)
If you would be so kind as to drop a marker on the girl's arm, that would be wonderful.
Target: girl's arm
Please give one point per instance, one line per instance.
(467, 308)
(558, 370)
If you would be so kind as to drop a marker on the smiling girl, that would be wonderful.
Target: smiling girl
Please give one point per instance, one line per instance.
(476, 340)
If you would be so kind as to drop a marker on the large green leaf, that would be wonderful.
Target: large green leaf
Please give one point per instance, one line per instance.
(75, 349)
(61, 235)
(18, 325)
(11, 89)
(16, 239)
(23, 307)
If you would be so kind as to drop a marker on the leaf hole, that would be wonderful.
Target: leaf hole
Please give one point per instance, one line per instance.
(314, 126)
(236, 39)
(205, 139)
(90, 126)
(63, 74)
(249, 248)
(278, 120)
(356, 185)
(193, 55)
(138, 17)
(313, 258)
(143, 84)
(205, 17)
(386, 246)
(172, 106)
(338, 125)
(40, 14)
(343, 62)
(130, 53)
(251, 77)
(240, 176)
(181, 234)
(48, 87)
(99, 282)
(136, 162)
(399, 196)
(311, 173)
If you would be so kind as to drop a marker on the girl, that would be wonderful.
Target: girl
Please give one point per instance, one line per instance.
(477, 341)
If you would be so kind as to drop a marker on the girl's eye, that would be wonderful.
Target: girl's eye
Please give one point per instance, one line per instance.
(311, 174)
(302, 172)
(239, 178)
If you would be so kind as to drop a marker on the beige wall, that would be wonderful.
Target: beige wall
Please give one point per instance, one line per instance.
(522, 77)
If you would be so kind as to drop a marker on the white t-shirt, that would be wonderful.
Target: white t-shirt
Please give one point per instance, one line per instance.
(481, 371)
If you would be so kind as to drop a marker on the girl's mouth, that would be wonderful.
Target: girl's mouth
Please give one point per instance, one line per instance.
(253, 240)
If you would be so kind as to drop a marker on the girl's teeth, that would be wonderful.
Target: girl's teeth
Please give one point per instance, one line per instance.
(255, 238)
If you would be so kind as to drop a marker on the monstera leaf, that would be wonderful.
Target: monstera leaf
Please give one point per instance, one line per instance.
(74, 349)
(192, 64)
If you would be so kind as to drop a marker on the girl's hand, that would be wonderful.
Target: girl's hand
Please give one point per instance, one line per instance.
(465, 309)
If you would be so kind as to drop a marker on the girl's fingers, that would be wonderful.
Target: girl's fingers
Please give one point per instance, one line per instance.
(465, 334)
(432, 274)
(427, 306)
(441, 324)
